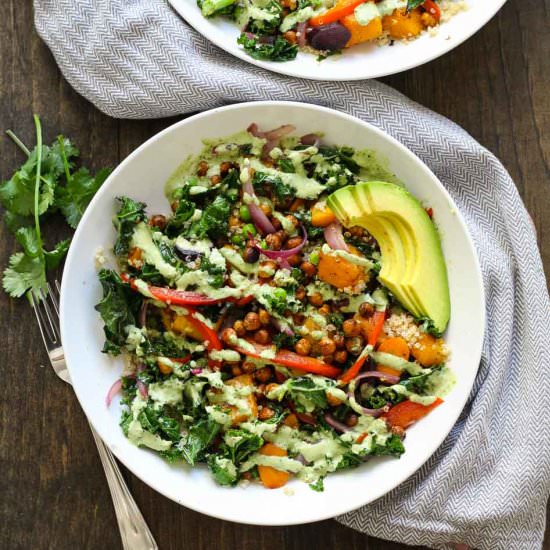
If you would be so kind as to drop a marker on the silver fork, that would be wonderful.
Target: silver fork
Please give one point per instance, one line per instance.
(134, 532)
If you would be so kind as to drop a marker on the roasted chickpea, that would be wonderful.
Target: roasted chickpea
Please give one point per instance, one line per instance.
(341, 356)
(339, 340)
(354, 345)
(300, 293)
(366, 309)
(351, 420)
(229, 335)
(265, 208)
(248, 367)
(236, 370)
(158, 221)
(238, 326)
(252, 321)
(264, 316)
(273, 241)
(202, 168)
(263, 375)
(265, 413)
(276, 223)
(294, 260)
(356, 231)
(290, 36)
(327, 346)
(308, 268)
(267, 269)
(298, 318)
(328, 359)
(316, 299)
(215, 179)
(224, 168)
(262, 336)
(325, 309)
(251, 255)
(293, 220)
(351, 327)
(303, 347)
(293, 242)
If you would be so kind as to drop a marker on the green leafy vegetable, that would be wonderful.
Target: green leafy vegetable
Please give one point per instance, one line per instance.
(392, 447)
(273, 183)
(210, 8)
(411, 4)
(243, 444)
(118, 309)
(129, 215)
(280, 50)
(318, 485)
(222, 470)
(198, 439)
(214, 220)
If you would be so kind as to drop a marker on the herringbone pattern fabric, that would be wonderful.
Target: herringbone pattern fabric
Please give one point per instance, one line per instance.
(488, 483)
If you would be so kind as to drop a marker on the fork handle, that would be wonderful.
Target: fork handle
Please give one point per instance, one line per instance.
(134, 532)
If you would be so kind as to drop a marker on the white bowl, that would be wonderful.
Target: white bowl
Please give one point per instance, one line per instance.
(360, 62)
(142, 176)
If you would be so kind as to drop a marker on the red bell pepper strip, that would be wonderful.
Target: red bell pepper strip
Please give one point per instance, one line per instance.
(181, 360)
(290, 359)
(406, 413)
(340, 10)
(377, 324)
(353, 371)
(184, 297)
(212, 342)
(433, 9)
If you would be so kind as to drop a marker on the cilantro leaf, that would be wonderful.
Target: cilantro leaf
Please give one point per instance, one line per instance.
(27, 238)
(73, 199)
(54, 257)
(24, 273)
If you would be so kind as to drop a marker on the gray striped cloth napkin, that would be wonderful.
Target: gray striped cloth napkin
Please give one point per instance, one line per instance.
(488, 483)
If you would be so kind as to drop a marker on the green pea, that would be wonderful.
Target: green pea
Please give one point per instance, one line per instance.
(280, 294)
(314, 258)
(249, 229)
(244, 213)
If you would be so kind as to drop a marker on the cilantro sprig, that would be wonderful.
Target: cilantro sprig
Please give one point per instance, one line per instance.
(44, 184)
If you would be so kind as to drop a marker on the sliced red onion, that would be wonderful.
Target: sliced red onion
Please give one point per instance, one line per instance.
(338, 426)
(272, 137)
(391, 378)
(261, 221)
(310, 139)
(278, 254)
(301, 33)
(334, 237)
(142, 389)
(142, 317)
(113, 390)
(371, 412)
(141, 367)
(196, 371)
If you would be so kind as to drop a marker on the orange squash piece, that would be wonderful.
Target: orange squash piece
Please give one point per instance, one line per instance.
(338, 272)
(429, 351)
(395, 346)
(361, 33)
(182, 325)
(270, 477)
(401, 25)
(321, 215)
(236, 416)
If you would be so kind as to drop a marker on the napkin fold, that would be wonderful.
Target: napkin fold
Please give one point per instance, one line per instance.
(488, 483)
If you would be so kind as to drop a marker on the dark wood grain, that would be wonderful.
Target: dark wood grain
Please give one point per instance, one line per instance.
(53, 492)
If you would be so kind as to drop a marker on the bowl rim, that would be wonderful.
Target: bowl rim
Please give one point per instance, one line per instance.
(435, 442)
(286, 69)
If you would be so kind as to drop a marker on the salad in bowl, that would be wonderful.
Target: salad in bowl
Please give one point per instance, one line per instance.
(285, 319)
(275, 30)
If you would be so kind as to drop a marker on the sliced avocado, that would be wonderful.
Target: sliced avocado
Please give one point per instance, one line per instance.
(413, 266)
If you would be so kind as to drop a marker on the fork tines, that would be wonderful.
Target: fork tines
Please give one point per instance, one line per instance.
(46, 309)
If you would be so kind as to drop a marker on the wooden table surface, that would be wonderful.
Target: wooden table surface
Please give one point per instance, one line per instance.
(54, 494)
